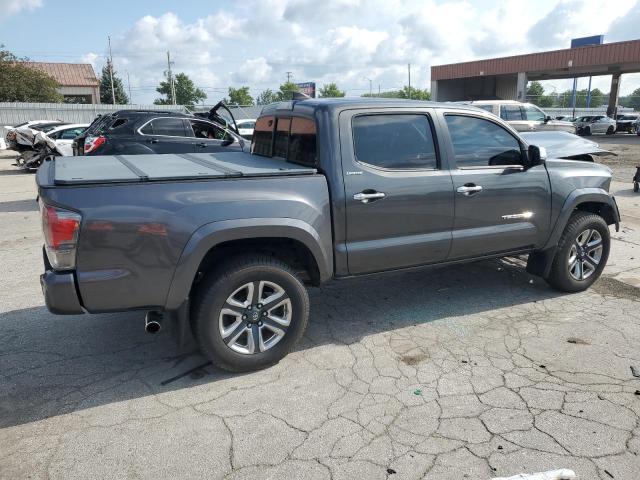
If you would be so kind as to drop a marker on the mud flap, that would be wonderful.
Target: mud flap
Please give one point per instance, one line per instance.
(540, 261)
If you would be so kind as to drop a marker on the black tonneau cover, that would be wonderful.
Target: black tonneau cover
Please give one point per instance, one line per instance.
(183, 166)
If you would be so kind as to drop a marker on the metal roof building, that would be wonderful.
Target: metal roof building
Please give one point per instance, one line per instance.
(77, 81)
(507, 77)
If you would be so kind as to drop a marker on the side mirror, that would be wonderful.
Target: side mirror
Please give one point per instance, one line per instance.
(547, 118)
(537, 155)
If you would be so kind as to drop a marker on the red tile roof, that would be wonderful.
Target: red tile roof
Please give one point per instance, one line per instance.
(68, 74)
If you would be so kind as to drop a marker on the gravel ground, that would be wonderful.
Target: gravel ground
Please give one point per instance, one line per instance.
(473, 371)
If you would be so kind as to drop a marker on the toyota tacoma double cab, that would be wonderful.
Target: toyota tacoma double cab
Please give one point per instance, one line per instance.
(225, 243)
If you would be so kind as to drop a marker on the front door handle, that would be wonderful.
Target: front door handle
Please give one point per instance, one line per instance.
(201, 145)
(367, 196)
(469, 189)
(153, 140)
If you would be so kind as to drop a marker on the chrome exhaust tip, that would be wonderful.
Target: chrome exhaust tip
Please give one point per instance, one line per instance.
(153, 322)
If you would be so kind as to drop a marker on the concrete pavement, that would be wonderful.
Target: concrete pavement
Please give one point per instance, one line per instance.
(473, 371)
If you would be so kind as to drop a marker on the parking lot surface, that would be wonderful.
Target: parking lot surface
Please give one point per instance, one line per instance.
(472, 371)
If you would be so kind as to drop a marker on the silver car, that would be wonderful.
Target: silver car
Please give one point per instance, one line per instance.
(595, 124)
(524, 117)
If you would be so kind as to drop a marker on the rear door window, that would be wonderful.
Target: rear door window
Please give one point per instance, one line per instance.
(510, 112)
(394, 141)
(168, 127)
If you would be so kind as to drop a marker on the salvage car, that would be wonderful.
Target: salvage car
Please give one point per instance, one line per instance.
(21, 136)
(135, 132)
(224, 244)
(591, 124)
(628, 123)
(524, 117)
(49, 143)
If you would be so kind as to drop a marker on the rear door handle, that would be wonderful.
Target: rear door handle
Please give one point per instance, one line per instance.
(469, 189)
(153, 140)
(201, 145)
(366, 197)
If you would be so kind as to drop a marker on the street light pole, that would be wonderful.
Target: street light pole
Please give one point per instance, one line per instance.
(370, 87)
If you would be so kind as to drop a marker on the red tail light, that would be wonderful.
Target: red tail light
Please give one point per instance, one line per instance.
(91, 144)
(60, 229)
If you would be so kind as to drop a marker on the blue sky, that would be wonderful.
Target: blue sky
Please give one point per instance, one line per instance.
(224, 43)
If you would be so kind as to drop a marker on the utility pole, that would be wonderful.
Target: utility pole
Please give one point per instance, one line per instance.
(370, 86)
(129, 87)
(378, 90)
(289, 77)
(409, 71)
(113, 93)
(172, 85)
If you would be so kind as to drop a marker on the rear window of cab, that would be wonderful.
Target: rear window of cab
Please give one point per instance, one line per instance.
(291, 138)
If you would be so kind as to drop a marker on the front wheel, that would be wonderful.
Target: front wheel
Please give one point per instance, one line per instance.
(250, 314)
(582, 253)
(611, 130)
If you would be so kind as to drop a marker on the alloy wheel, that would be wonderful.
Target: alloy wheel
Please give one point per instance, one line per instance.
(255, 317)
(585, 254)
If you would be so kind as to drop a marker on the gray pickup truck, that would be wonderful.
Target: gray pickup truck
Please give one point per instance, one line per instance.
(225, 243)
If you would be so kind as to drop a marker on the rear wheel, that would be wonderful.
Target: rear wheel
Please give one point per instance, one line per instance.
(582, 253)
(611, 130)
(587, 131)
(250, 314)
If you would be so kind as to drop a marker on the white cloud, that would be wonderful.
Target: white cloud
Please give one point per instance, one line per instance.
(255, 70)
(255, 43)
(11, 7)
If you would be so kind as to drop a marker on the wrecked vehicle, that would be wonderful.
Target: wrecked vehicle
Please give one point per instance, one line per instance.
(136, 132)
(47, 144)
(224, 244)
(567, 145)
(19, 137)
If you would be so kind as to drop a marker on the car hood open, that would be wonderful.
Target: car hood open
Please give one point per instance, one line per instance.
(560, 144)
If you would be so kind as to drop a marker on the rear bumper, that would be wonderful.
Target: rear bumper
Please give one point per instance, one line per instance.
(60, 294)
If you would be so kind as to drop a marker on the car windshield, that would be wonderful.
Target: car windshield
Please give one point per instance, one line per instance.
(629, 117)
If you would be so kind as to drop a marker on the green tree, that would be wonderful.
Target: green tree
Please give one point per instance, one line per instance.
(285, 92)
(21, 83)
(266, 97)
(598, 98)
(407, 92)
(105, 87)
(631, 101)
(187, 93)
(535, 92)
(331, 90)
(415, 93)
(239, 96)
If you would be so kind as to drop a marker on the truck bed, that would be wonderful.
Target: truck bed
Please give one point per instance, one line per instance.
(149, 168)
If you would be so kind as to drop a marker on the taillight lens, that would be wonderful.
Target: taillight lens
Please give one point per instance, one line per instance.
(91, 144)
(60, 229)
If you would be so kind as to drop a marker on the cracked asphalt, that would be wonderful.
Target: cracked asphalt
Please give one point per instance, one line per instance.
(472, 371)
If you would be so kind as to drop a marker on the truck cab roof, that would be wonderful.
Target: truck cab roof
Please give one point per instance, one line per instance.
(308, 106)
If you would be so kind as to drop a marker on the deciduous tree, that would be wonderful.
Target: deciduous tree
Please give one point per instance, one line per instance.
(22, 83)
(187, 93)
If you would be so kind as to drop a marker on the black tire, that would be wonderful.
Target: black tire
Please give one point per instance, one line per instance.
(560, 277)
(611, 130)
(587, 131)
(636, 187)
(217, 289)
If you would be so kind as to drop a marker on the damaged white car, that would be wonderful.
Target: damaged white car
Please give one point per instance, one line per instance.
(46, 144)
